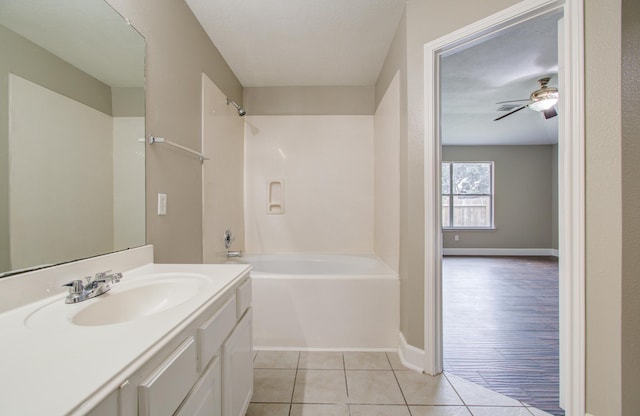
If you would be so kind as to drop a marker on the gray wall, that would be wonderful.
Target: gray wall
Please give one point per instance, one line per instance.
(29, 61)
(178, 52)
(127, 102)
(423, 22)
(309, 100)
(630, 204)
(603, 207)
(523, 187)
(612, 337)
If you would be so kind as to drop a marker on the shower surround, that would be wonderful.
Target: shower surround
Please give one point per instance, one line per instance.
(325, 173)
(325, 165)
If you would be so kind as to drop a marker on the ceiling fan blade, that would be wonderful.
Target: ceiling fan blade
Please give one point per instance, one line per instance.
(510, 112)
(513, 101)
(550, 113)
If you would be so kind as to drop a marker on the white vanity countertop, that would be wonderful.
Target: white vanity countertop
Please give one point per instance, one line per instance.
(50, 366)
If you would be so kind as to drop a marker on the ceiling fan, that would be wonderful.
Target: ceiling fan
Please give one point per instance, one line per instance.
(541, 100)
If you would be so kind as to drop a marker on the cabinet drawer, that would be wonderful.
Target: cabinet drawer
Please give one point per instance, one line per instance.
(163, 391)
(243, 293)
(212, 333)
(206, 397)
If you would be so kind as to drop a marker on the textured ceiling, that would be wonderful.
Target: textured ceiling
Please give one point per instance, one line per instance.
(500, 68)
(301, 42)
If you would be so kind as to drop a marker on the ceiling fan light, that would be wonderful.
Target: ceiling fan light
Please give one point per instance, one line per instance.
(543, 104)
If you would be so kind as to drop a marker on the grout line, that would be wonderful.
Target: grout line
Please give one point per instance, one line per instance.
(346, 384)
(349, 404)
(399, 386)
(295, 378)
(444, 374)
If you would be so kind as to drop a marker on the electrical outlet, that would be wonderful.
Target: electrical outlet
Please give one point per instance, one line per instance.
(456, 237)
(162, 204)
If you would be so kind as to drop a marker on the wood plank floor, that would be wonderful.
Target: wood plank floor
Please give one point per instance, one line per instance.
(500, 324)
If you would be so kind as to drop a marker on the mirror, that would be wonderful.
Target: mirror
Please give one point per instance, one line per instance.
(72, 133)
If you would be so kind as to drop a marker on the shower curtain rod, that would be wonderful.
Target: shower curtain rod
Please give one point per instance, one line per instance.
(153, 140)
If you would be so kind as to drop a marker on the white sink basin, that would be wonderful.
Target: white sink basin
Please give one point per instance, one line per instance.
(127, 301)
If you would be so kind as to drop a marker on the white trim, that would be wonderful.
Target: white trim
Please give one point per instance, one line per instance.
(410, 356)
(572, 216)
(571, 177)
(499, 252)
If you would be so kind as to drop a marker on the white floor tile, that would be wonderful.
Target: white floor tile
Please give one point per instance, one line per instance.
(276, 359)
(320, 386)
(366, 361)
(272, 386)
(475, 395)
(439, 411)
(268, 409)
(396, 364)
(373, 387)
(319, 410)
(499, 411)
(321, 360)
(428, 390)
(379, 410)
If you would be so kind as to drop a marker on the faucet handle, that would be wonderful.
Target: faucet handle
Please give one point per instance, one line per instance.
(105, 278)
(75, 286)
(101, 275)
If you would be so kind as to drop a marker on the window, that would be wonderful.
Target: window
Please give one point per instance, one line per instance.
(467, 194)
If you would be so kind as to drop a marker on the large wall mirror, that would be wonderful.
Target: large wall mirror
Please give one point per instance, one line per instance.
(72, 133)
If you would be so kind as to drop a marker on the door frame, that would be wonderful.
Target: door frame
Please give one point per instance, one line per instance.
(571, 188)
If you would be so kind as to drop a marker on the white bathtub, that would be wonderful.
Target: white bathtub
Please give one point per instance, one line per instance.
(324, 302)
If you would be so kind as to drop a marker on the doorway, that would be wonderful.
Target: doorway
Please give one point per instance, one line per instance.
(499, 199)
(570, 200)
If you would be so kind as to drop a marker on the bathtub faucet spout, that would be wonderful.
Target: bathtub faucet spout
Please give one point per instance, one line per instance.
(231, 254)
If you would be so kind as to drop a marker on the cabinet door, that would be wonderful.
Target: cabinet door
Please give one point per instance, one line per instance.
(206, 397)
(237, 371)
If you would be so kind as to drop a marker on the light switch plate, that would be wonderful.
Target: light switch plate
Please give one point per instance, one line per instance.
(162, 204)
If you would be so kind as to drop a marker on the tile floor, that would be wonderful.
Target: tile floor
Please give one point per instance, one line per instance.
(292, 383)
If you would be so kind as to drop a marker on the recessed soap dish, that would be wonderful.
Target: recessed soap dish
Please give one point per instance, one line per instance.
(275, 196)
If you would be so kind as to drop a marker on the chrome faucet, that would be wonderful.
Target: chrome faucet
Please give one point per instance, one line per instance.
(91, 287)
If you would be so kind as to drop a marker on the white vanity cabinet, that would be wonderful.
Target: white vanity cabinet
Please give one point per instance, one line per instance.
(205, 369)
(237, 371)
(237, 378)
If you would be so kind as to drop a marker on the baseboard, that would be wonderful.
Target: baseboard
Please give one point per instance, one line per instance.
(500, 252)
(410, 356)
